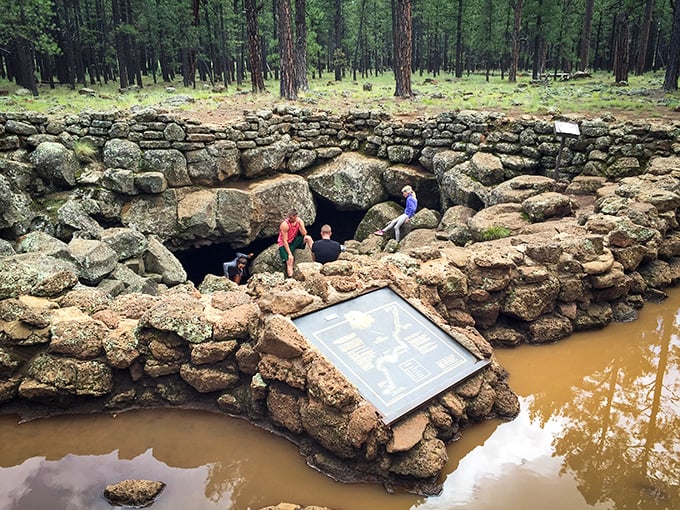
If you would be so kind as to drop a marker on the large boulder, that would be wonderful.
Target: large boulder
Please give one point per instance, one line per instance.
(486, 168)
(120, 153)
(377, 217)
(266, 160)
(41, 242)
(519, 188)
(444, 161)
(158, 259)
(152, 214)
(169, 162)
(56, 164)
(22, 273)
(273, 197)
(215, 164)
(16, 213)
(497, 221)
(351, 182)
(57, 376)
(126, 242)
(196, 218)
(94, 259)
(73, 217)
(423, 183)
(238, 218)
(458, 188)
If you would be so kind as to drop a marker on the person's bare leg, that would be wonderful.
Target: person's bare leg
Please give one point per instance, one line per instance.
(289, 266)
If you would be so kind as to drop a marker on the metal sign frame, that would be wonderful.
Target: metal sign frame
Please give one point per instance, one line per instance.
(394, 355)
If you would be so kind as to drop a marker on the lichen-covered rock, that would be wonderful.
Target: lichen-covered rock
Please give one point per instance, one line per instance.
(120, 153)
(181, 315)
(423, 461)
(207, 379)
(133, 493)
(79, 337)
(121, 345)
(158, 259)
(126, 242)
(281, 338)
(55, 163)
(94, 259)
(19, 274)
(75, 377)
(350, 182)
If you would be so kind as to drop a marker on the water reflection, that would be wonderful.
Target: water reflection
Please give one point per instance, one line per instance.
(598, 429)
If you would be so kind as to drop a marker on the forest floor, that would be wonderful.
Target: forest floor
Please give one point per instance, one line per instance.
(592, 97)
(595, 96)
(413, 109)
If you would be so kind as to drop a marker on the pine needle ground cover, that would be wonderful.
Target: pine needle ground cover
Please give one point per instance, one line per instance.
(596, 95)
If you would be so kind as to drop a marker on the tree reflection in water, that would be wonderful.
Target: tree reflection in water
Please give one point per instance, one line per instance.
(598, 429)
(620, 438)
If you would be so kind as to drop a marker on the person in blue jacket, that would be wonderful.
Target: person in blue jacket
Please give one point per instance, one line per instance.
(409, 211)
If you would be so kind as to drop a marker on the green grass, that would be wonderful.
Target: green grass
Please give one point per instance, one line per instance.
(84, 151)
(496, 232)
(593, 96)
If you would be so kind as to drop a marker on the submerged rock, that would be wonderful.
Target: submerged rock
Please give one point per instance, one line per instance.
(133, 493)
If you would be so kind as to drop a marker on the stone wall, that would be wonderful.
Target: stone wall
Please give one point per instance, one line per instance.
(498, 247)
(296, 139)
(192, 184)
(234, 350)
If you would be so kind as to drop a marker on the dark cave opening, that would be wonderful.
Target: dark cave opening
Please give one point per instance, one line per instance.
(199, 262)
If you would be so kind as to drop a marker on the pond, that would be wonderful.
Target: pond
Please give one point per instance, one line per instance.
(598, 429)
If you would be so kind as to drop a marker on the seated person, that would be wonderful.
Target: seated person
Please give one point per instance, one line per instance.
(326, 249)
(292, 235)
(237, 269)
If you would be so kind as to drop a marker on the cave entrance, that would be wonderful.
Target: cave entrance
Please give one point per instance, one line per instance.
(199, 262)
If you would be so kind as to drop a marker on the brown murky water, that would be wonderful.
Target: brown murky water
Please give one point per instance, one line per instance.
(599, 428)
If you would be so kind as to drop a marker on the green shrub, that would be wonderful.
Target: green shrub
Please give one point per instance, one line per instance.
(496, 232)
(84, 151)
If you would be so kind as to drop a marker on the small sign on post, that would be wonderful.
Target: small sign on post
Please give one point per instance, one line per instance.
(564, 130)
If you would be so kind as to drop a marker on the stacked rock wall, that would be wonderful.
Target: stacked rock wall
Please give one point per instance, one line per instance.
(236, 351)
(498, 247)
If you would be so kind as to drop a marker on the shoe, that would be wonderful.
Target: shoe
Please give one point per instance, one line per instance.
(379, 232)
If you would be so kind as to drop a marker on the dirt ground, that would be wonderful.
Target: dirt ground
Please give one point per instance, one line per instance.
(233, 107)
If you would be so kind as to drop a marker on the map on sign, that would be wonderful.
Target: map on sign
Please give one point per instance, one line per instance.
(395, 356)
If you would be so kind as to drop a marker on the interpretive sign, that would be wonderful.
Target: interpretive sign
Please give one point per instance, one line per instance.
(395, 356)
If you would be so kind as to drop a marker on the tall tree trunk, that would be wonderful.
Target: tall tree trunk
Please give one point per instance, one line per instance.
(102, 37)
(66, 34)
(24, 70)
(459, 40)
(517, 6)
(402, 48)
(189, 52)
(584, 50)
(288, 88)
(121, 54)
(641, 62)
(131, 46)
(301, 45)
(621, 52)
(254, 54)
(539, 45)
(355, 58)
(338, 33)
(670, 82)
